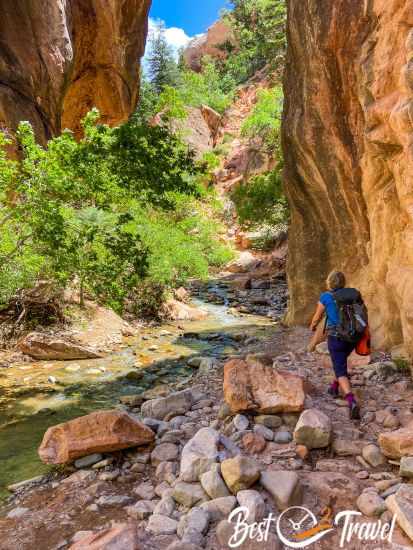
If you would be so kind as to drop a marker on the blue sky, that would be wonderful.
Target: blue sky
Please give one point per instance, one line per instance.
(193, 17)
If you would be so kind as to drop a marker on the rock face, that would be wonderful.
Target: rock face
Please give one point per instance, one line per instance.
(61, 58)
(99, 432)
(347, 144)
(44, 347)
(208, 44)
(251, 385)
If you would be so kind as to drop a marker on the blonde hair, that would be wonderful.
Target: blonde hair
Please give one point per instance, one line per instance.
(336, 280)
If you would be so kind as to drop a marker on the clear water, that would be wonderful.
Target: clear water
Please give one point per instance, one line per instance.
(31, 400)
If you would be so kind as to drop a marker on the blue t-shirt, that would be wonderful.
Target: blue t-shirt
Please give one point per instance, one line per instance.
(329, 303)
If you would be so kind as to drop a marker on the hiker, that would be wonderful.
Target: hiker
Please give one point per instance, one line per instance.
(346, 322)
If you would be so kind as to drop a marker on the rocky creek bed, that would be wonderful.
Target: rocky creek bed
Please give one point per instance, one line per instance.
(216, 446)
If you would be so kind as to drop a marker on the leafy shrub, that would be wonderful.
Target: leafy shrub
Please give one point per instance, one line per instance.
(103, 213)
(265, 119)
(261, 201)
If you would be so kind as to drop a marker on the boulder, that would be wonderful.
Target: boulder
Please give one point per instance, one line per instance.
(371, 504)
(313, 429)
(251, 385)
(253, 443)
(165, 452)
(174, 404)
(196, 519)
(406, 467)
(189, 494)
(178, 311)
(161, 525)
(240, 473)
(123, 536)
(213, 484)
(98, 432)
(219, 508)
(401, 504)
(398, 443)
(245, 262)
(373, 456)
(46, 347)
(283, 486)
(253, 501)
(199, 454)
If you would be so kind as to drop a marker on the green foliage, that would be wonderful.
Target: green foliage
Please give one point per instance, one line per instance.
(265, 119)
(261, 201)
(162, 68)
(104, 213)
(259, 28)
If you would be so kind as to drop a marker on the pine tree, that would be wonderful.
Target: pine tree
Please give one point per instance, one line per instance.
(162, 67)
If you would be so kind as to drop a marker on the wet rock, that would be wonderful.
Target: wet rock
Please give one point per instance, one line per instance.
(253, 501)
(141, 510)
(406, 466)
(370, 504)
(401, 504)
(177, 404)
(398, 443)
(196, 519)
(283, 486)
(189, 494)
(89, 460)
(123, 536)
(46, 347)
(99, 432)
(268, 420)
(252, 385)
(253, 443)
(240, 473)
(213, 484)
(313, 429)
(165, 452)
(373, 456)
(199, 454)
(219, 508)
(161, 525)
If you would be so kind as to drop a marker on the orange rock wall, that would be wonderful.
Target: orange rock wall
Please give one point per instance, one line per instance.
(348, 138)
(60, 58)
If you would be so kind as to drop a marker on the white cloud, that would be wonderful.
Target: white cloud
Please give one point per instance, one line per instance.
(176, 37)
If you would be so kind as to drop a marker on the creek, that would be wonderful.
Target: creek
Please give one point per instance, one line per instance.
(37, 395)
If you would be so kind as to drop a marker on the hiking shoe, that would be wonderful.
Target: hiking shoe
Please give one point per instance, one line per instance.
(354, 411)
(333, 391)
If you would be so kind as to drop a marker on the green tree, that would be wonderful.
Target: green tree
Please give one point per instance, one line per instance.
(162, 67)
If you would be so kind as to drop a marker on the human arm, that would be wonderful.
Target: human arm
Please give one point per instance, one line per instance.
(318, 315)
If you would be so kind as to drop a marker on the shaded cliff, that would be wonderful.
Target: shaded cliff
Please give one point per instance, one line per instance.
(348, 155)
(59, 58)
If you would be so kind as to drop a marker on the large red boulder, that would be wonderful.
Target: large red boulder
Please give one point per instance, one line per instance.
(253, 385)
(99, 432)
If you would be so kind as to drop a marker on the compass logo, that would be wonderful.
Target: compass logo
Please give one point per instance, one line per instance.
(298, 527)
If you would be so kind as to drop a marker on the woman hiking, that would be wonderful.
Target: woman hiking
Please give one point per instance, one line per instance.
(346, 321)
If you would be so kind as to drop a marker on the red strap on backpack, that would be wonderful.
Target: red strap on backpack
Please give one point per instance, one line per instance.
(364, 346)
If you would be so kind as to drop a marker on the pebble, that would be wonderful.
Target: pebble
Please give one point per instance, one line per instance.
(88, 460)
(145, 491)
(161, 525)
(17, 513)
(241, 422)
(264, 432)
(283, 437)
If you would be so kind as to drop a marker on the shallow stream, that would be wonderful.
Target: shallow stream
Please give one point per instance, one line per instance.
(34, 396)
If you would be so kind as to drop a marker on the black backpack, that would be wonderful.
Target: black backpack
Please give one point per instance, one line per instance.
(352, 314)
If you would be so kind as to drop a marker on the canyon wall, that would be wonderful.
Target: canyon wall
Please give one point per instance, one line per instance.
(348, 144)
(60, 58)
